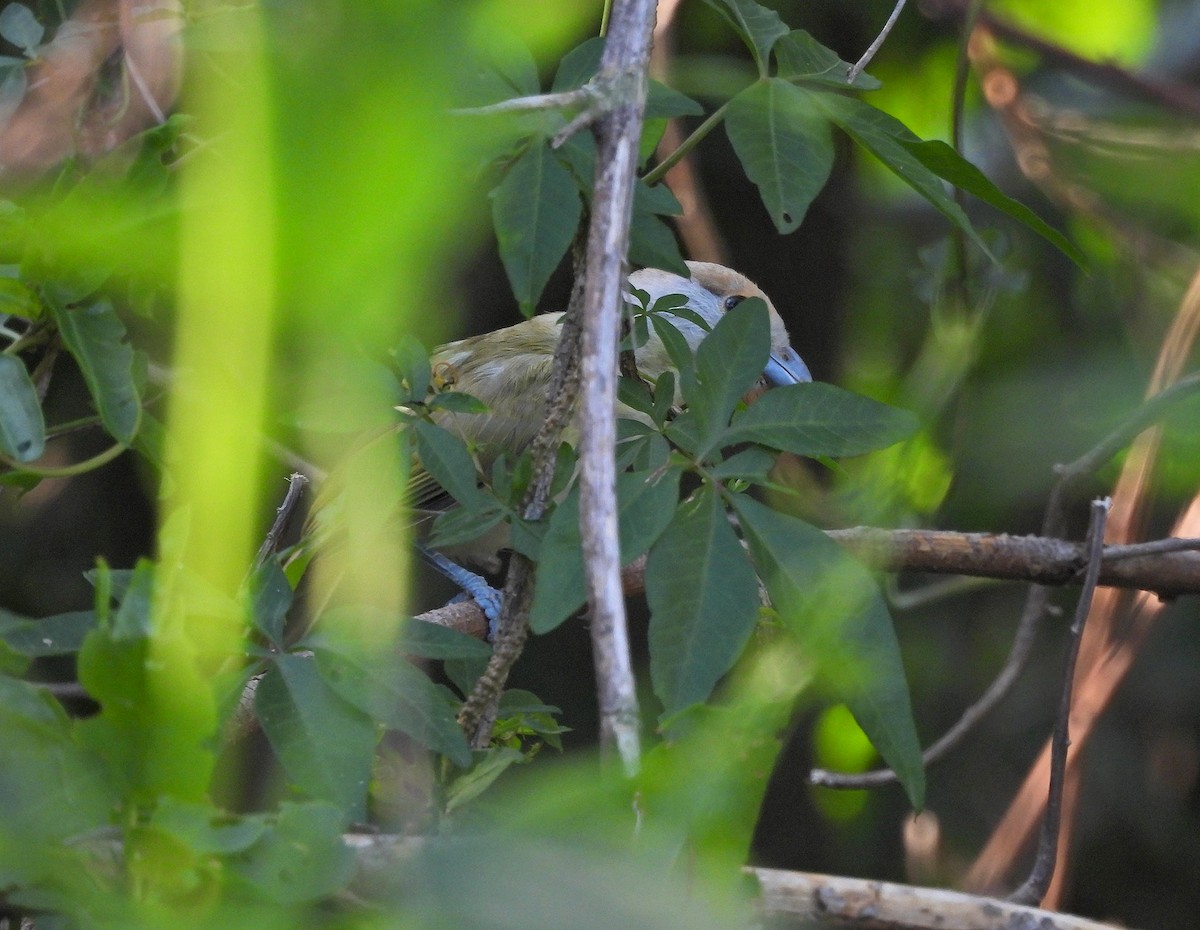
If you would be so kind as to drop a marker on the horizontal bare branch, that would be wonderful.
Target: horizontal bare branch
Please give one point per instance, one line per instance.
(1168, 568)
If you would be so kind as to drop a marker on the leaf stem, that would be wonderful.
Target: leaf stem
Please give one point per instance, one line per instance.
(68, 471)
(660, 170)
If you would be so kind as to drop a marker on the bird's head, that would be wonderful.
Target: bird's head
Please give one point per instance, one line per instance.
(711, 291)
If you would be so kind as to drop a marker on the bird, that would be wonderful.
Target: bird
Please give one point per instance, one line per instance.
(509, 371)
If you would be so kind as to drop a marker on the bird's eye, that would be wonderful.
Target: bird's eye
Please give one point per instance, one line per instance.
(733, 300)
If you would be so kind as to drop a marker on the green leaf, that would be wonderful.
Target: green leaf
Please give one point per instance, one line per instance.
(445, 456)
(19, 26)
(816, 419)
(95, 336)
(22, 427)
(644, 508)
(728, 362)
(61, 634)
(798, 56)
(652, 242)
(157, 719)
(758, 27)
(206, 829)
(302, 857)
(325, 744)
(457, 402)
(946, 163)
(888, 139)
(392, 691)
(411, 362)
(460, 525)
(831, 604)
(433, 641)
(51, 788)
(784, 144)
(703, 600)
(753, 464)
(535, 209)
(271, 599)
(18, 299)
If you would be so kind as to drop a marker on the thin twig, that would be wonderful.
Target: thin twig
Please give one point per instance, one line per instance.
(857, 68)
(1034, 887)
(478, 714)
(283, 516)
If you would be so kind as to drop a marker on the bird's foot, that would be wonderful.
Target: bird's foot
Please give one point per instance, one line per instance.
(474, 587)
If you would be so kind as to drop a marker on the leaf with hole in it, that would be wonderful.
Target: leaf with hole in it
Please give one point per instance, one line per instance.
(800, 57)
(645, 504)
(816, 419)
(95, 336)
(535, 209)
(22, 427)
(831, 604)
(759, 27)
(785, 146)
(325, 744)
(703, 600)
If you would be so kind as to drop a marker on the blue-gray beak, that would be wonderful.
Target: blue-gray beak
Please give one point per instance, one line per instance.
(786, 367)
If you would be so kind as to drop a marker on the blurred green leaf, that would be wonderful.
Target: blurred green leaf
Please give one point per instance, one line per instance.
(325, 744)
(536, 211)
(206, 829)
(785, 146)
(946, 163)
(799, 56)
(19, 26)
(18, 299)
(271, 598)
(817, 419)
(703, 599)
(301, 857)
(51, 787)
(758, 27)
(61, 634)
(22, 427)
(411, 362)
(832, 606)
(95, 337)
(391, 690)
(889, 140)
(645, 503)
(157, 717)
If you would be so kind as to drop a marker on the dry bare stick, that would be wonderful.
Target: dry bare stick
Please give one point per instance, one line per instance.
(804, 901)
(1164, 567)
(618, 130)
(1034, 888)
(1107, 653)
(283, 516)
